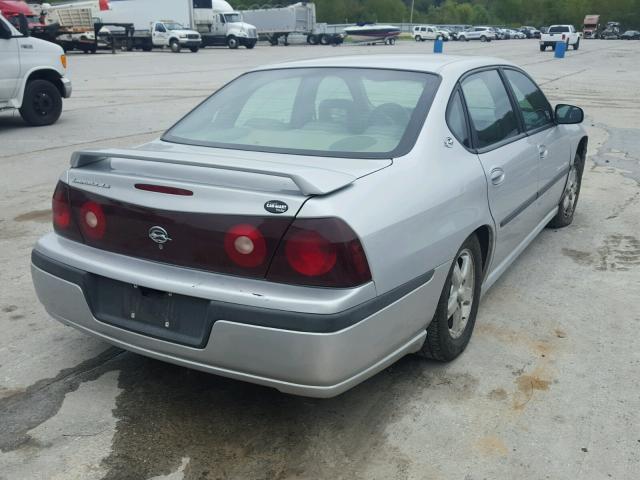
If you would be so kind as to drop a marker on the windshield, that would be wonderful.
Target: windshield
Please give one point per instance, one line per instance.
(344, 112)
(173, 26)
(232, 17)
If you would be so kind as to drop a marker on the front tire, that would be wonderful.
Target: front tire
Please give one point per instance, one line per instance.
(175, 46)
(232, 42)
(41, 104)
(450, 330)
(418, 39)
(569, 200)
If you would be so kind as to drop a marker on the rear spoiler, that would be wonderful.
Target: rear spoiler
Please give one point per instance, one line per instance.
(309, 180)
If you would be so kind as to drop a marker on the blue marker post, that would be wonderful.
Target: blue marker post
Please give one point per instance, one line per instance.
(561, 48)
(437, 45)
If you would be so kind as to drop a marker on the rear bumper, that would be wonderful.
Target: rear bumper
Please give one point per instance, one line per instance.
(66, 87)
(316, 364)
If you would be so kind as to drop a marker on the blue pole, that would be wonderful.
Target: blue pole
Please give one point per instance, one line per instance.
(437, 45)
(561, 48)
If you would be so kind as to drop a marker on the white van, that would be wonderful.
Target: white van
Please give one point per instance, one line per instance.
(32, 76)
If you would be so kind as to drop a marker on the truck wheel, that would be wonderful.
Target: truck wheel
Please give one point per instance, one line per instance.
(146, 49)
(250, 44)
(324, 40)
(42, 103)
(576, 45)
(175, 46)
(232, 42)
(194, 49)
(543, 47)
(313, 39)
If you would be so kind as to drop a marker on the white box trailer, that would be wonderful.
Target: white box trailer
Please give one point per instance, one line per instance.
(274, 23)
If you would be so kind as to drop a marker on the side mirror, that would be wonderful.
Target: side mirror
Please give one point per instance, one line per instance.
(568, 114)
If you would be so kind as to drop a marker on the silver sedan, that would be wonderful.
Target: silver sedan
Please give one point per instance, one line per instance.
(311, 223)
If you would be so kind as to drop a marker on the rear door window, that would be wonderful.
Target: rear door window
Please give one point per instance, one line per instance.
(534, 106)
(492, 117)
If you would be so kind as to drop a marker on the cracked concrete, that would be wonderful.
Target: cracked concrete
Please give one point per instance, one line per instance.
(548, 388)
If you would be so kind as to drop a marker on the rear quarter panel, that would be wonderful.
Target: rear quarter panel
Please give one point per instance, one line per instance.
(414, 215)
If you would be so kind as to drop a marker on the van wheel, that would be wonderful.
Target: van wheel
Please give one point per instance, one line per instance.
(175, 46)
(569, 200)
(232, 42)
(42, 103)
(450, 330)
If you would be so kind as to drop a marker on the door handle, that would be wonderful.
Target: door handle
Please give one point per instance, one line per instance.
(497, 176)
(542, 150)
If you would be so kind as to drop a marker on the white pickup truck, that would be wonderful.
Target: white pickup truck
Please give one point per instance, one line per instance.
(32, 76)
(560, 33)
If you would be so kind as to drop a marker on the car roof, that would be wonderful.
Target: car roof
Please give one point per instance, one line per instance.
(440, 64)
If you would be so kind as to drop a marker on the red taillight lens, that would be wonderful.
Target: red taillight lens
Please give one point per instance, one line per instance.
(63, 219)
(93, 223)
(322, 252)
(245, 246)
(310, 254)
(61, 208)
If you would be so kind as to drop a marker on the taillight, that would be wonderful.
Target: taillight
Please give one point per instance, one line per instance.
(323, 252)
(63, 221)
(563, 36)
(60, 207)
(245, 246)
(93, 222)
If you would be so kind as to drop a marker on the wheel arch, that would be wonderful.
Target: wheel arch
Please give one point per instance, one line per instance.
(486, 237)
(49, 74)
(582, 147)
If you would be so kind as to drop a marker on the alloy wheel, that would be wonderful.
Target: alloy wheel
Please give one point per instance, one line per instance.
(461, 293)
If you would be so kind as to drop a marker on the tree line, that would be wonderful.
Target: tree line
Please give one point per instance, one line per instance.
(469, 12)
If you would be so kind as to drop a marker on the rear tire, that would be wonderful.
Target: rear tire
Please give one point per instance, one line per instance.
(418, 39)
(483, 38)
(576, 45)
(324, 40)
(41, 104)
(543, 48)
(449, 332)
(569, 200)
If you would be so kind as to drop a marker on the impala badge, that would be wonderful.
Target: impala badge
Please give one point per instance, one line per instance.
(159, 235)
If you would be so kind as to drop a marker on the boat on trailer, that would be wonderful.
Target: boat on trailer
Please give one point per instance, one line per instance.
(373, 33)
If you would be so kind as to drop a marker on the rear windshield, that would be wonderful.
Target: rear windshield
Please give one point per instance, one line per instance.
(352, 112)
(558, 29)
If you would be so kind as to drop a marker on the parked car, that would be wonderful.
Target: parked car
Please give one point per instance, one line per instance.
(308, 244)
(630, 35)
(32, 76)
(530, 32)
(560, 33)
(543, 30)
(484, 34)
(429, 32)
(514, 34)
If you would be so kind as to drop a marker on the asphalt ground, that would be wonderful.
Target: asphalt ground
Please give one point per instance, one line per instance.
(548, 388)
